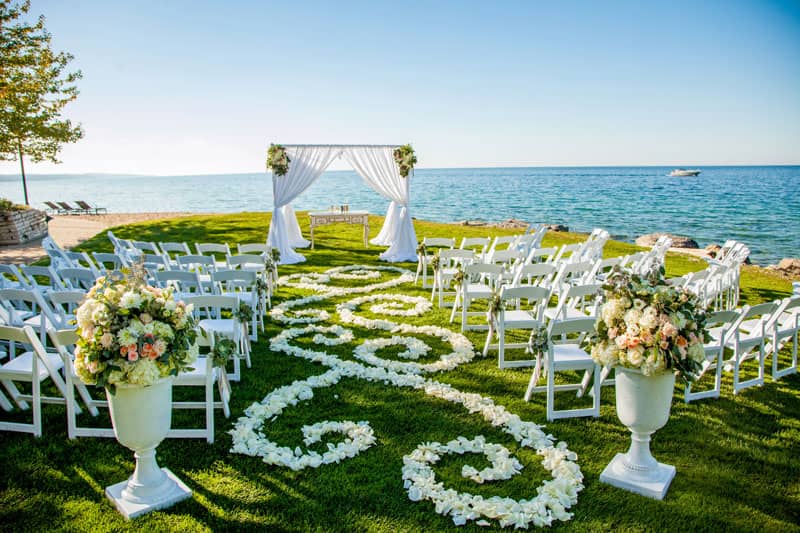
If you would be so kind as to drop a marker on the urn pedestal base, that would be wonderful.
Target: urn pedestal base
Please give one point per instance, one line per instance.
(652, 482)
(171, 491)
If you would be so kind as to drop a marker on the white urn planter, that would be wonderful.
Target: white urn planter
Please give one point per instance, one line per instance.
(643, 405)
(141, 417)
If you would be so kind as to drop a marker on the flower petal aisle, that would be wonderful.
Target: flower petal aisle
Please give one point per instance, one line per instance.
(552, 499)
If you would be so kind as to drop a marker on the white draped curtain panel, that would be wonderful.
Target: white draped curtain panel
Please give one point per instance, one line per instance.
(375, 165)
(378, 169)
(307, 164)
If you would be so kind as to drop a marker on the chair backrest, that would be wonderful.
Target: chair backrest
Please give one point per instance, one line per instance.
(449, 257)
(247, 262)
(536, 274)
(254, 247)
(568, 253)
(78, 278)
(201, 263)
(439, 242)
(211, 306)
(726, 321)
(64, 304)
(82, 260)
(490, 274)
(570, 331)
(602, 267)
(539, 255)
(12, 278)
(534, 298)
(583, 298)
(758, 317)
(24, 302)
(168, 248)
(235, 281)
(570, 273)
(479, 244)
(181, 281)
(507, 256)
(43, 277)
(144, 246)
(107, 261)
(153, 261)
(207, 248)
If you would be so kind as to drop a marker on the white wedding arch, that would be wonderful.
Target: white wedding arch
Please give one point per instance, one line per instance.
(376, 166)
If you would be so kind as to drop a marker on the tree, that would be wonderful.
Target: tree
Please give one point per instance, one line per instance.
(34, 88)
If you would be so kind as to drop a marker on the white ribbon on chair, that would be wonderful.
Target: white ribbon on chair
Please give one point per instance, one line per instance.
(307, 164)
(377, 167)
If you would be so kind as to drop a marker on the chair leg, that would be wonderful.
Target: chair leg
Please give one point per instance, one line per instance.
(13, 391)
(501, 346)
(4, 403)
(598, 382)
(455, 308)
(488, 339)
(535, 375)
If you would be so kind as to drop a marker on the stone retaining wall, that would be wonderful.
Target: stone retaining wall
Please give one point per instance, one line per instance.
(17, 227)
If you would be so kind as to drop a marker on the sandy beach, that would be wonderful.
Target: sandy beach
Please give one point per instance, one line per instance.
(69, 231)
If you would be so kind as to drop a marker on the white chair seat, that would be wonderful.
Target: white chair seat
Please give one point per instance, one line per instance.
(571, 357)
(196, 376)
(22, 364)
(223, 326)
(479, 290)
(518, 318)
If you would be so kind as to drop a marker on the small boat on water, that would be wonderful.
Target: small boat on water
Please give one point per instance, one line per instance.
(684, 172)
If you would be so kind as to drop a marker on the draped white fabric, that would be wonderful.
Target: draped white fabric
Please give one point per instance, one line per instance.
(377, 167)
(383, 238)
(307, 164)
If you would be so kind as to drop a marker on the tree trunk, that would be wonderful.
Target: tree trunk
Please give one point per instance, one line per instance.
(22, 168)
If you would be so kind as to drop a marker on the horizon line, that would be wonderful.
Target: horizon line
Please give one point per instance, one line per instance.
(126, 174)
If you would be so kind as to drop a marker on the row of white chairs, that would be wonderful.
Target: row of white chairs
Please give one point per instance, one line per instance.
(216, 319)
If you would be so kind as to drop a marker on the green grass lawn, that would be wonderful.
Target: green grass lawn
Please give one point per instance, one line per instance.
(737, 457)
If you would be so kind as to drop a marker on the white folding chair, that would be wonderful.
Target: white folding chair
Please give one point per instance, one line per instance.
(146, 247)
(479, 245)
(432, 246)
(214, 250)
(785, 326)
(449, 262)
(109, 262)
(81, 279)
(564, 354)
(208, 310)
(43, 278)
(577, 301)
(255, 263)
(748, 343)
(521, 308)
(64, 343)
(203, 374)
(254, 248)
(479, 283)
(183, 283)
(534, 275)
(721, 323)
(29, 308)
(33, 366)
(242, 284)
(64, 304)
(12, 278)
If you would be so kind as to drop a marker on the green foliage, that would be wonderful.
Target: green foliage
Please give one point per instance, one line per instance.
(405, 159)
(736, 457)
(34, 89)
(278, 160)
(8, 205)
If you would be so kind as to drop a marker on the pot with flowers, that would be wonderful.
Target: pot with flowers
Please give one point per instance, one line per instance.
(133, 339)
(649, 332)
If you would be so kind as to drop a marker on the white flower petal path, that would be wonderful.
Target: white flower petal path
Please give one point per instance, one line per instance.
(553, 497)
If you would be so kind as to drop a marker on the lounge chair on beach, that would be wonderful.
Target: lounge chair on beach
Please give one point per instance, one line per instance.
(69, 210)
(92, 210)
(53, 208)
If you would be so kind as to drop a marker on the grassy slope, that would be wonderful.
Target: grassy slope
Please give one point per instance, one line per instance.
(736, 457)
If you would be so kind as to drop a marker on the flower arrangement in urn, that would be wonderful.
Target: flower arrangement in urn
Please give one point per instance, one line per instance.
(278, 160)
(131, 333)
(646, 324)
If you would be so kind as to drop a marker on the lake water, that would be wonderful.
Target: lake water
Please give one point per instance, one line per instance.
(759, 206)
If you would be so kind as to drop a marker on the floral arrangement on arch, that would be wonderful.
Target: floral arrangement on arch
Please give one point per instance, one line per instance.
(649, 325)
(131, 333)
(278, 160)
(405, 159)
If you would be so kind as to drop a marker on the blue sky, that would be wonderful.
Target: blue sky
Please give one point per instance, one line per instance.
(174, 87)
